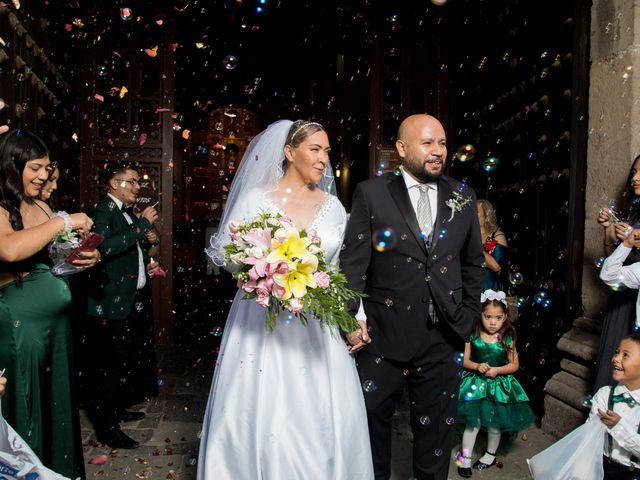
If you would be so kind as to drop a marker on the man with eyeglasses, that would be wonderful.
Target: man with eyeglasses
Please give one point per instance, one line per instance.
(118, 338)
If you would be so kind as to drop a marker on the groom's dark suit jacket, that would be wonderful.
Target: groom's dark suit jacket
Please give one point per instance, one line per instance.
(401, 281)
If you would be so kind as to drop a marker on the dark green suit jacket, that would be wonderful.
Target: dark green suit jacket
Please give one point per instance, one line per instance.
(111, 285)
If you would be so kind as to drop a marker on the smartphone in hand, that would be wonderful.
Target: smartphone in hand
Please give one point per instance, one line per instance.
(89, 242)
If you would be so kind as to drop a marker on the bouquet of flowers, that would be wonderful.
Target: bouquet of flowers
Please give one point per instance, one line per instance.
(284, 268)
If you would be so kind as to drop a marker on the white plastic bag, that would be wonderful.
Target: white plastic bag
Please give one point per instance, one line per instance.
(58, 252)
(17, 460)
(577, 456)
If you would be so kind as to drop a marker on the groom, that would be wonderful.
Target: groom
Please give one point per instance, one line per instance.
(413, 246)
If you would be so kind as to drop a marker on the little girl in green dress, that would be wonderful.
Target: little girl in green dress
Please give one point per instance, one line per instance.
(490, 396)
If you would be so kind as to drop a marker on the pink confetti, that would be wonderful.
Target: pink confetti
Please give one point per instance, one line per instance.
(174, 46)
(158, 272)
(68, 27)
(143, 138)
(162, 110)
(99, 97)
(152, 52)
(99, 460)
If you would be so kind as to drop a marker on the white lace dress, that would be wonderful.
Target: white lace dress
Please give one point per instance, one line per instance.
(285, 404)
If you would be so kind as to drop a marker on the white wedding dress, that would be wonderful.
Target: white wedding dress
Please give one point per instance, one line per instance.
(285, 404)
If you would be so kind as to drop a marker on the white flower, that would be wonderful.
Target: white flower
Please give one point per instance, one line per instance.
(254, 252)
(456, 203)
(237, 258)
(314, 249)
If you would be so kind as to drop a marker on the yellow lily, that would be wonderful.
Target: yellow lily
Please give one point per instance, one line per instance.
(291, 248)
(298, 277)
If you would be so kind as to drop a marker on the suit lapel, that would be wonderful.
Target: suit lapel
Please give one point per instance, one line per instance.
(444, 193)
(398, 190)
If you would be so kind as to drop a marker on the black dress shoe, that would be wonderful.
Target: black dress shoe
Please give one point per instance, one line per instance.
(465, 472)
(483, 466)
(131, 416)
(116, 438)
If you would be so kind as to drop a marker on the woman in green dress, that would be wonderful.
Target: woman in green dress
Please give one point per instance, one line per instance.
(35, 337)
(490, 396)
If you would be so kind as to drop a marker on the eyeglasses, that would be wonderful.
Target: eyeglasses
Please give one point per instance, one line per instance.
(131, 182)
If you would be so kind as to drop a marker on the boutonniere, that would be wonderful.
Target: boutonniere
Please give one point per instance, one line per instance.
(456, 203)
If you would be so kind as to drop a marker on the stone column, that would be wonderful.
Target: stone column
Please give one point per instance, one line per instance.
(613, 142)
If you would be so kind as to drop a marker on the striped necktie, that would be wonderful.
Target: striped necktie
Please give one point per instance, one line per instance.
(424, 210)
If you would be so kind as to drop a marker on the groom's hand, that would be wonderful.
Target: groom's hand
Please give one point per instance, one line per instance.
(358, 339)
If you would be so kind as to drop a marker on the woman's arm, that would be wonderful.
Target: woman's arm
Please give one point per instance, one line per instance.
(609, 232)
(491, 262)
(18, 245)
(496, 260)
(614, 273)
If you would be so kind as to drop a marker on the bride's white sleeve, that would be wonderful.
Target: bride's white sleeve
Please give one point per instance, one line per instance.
(243, 210)
(340, 228)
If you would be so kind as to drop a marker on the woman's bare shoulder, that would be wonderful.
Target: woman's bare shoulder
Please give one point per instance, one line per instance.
(500, 237)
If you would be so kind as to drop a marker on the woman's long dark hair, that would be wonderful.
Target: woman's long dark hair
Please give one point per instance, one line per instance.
(630, 204)
(17, 147)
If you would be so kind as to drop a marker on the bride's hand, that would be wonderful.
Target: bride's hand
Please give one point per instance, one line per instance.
(358, 339)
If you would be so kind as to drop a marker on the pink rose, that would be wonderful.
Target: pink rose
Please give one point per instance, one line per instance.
(250, 286)
(295, 305)
(234, 225)
(263, 300)
(264, 288)
(322, 279)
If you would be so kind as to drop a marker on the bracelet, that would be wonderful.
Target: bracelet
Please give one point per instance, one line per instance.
(65, 218)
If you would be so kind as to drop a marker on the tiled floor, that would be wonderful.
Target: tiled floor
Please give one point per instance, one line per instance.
(169, 433)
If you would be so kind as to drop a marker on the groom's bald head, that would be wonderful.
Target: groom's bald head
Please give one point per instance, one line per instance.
(422, 146)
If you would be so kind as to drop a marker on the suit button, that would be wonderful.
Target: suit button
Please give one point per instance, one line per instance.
(427, 278)
(425, 299)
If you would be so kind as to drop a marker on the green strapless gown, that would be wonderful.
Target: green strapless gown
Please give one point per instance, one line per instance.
(35, 348)
(497, 402)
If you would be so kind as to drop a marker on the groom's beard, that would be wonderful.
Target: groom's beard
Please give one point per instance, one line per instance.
(422, 175)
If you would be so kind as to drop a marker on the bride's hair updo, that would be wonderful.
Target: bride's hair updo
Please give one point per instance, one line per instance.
(300, 130)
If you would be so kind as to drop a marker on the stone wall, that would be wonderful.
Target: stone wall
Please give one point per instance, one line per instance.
(614, 140)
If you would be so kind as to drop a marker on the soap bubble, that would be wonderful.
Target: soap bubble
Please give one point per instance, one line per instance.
(230, 62)
(384, 239)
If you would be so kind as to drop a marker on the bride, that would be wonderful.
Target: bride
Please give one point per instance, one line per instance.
(285, 404)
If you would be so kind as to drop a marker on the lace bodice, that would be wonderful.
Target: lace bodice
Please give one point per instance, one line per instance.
(329, 221)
